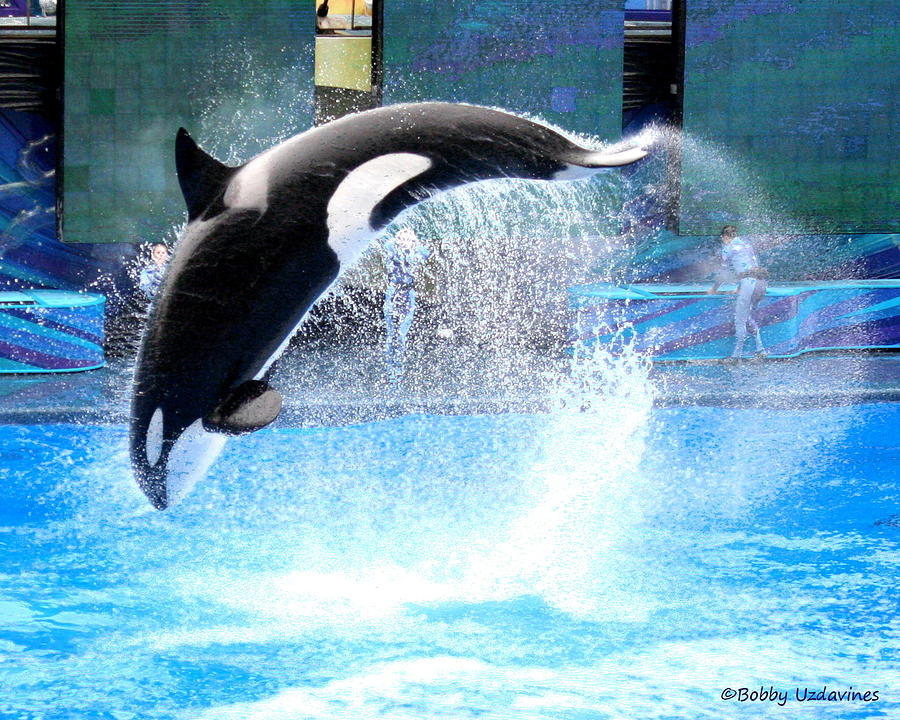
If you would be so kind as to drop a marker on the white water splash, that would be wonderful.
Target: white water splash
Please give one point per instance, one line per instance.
(584, 499)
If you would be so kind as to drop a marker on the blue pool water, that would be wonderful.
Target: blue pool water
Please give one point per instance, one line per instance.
(620, 562)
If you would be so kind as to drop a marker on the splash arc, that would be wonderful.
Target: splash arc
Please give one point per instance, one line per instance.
(266, 239)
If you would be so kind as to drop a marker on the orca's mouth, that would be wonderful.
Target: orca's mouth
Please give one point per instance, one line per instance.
(171, 452)
(181, 462)
(152, 481)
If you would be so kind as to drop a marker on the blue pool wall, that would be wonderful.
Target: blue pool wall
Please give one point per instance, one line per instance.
(51, 331)
(683, 322)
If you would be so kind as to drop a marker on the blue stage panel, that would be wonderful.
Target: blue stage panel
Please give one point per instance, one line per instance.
(44, 331)
(682, 322)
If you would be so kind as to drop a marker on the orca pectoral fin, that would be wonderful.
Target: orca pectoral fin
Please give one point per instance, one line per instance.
(249, 407)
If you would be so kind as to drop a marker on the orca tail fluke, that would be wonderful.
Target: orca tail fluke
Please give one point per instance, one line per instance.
(612, 158)
(584, 163)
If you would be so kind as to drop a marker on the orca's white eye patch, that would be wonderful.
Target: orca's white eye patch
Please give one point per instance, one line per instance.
(154, 438)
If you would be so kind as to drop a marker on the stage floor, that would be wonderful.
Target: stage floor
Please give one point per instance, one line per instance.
(334, 386)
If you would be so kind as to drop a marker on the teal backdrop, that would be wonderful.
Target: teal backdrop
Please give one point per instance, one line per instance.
(558, 61)
(791, 116)
(237, 75)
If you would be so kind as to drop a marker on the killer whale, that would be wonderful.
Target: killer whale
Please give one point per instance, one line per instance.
(264, 240)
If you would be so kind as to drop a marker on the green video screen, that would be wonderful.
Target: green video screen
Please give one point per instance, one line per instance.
(237, 75)
(240, 77)
(559, 61)
(790, 117)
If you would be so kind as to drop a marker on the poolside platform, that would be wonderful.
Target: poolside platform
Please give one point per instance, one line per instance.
(676, 322)
(50, 331)
(334, 386)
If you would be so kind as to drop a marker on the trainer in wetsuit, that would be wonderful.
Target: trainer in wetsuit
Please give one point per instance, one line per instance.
(739, 259)
(401, 257)
(152, 275)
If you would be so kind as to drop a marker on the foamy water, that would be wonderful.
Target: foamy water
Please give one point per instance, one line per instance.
(605, 560)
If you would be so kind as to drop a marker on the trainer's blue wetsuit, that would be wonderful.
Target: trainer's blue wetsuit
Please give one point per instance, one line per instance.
(738, 257)
(150, 279)
(399, 301)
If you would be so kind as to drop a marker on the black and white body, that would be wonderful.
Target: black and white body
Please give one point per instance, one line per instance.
(266, 239)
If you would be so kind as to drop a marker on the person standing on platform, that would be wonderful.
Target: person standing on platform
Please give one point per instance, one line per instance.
(739, 259)
(402, 256)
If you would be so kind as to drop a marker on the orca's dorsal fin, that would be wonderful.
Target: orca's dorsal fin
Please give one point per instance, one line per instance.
(200, 175)
(249, 407)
